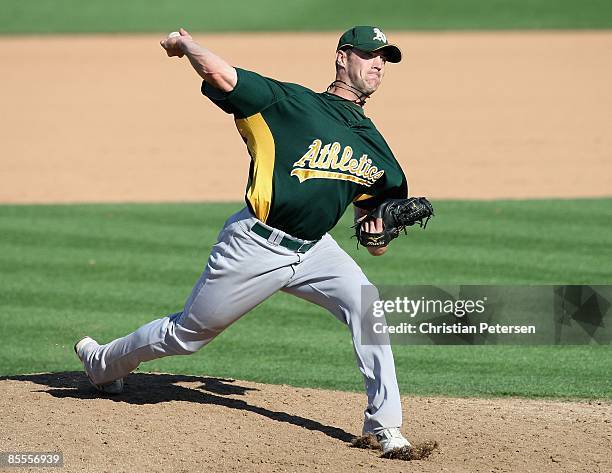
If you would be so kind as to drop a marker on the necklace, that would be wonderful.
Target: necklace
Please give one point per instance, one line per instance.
(361, 96)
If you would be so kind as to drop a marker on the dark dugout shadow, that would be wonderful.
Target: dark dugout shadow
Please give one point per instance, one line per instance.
(149, 388)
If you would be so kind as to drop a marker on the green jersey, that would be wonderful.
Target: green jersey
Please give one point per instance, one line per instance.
(312, 154)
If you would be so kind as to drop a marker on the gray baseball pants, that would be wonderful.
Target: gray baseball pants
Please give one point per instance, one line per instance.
(242, 271)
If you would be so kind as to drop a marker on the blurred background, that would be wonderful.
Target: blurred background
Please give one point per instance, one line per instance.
(116, 174)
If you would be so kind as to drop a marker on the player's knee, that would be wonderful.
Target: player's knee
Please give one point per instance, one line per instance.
(183, 343)
(358, 299)
(184, 337)
(189, 348)
(202, 320)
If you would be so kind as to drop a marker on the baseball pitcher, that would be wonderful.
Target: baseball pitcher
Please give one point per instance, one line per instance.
(312, 155)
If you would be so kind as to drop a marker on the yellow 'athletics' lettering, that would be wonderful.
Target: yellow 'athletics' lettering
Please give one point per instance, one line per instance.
(319, 158)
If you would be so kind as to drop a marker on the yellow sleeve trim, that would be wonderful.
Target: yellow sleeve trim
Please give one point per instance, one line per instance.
(362, 197)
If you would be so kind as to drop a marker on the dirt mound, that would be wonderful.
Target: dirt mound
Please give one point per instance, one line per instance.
(177, 423)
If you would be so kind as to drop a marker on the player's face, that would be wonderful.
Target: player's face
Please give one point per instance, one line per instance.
(365, 69)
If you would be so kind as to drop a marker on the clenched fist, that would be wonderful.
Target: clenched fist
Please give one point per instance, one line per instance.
(173, 44)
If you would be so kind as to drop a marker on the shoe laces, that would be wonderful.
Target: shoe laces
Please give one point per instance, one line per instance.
(390, 433)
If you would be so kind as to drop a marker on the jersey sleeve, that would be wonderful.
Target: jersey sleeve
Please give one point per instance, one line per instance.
(373, 197)
(391, 185)
(252, 94)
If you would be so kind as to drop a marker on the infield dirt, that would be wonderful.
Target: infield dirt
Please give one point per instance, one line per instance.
(470, 115)
(187, 424)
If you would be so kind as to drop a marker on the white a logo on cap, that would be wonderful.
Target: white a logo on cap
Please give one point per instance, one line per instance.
(380, 36)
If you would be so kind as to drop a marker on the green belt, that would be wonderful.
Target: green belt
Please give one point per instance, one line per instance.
(286, 242)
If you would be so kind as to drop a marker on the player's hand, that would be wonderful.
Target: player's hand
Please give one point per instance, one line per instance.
(374, 225)
(174, 46)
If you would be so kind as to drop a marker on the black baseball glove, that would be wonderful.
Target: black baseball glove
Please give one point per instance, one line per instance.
(396, 214)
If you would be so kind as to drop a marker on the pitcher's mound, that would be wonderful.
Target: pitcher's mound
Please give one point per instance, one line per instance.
(177, 423)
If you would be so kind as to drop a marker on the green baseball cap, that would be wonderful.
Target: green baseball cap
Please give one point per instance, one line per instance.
(369, 38)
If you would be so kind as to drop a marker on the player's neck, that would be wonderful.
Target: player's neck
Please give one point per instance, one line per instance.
(345, 91)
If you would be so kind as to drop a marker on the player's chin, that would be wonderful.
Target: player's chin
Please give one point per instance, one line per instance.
(372, 85)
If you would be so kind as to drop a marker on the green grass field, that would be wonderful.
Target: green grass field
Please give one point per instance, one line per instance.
(103, 270)
(110, 16)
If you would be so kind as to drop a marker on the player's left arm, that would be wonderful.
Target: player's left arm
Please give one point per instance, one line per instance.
(374, 225)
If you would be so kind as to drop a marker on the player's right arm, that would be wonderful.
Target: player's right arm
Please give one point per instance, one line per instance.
(210, 67)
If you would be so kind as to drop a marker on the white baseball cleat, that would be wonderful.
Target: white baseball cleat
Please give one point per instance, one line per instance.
(390, 439)
(114, 387)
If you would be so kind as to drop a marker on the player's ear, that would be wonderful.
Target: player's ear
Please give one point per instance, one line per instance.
(341, 59)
